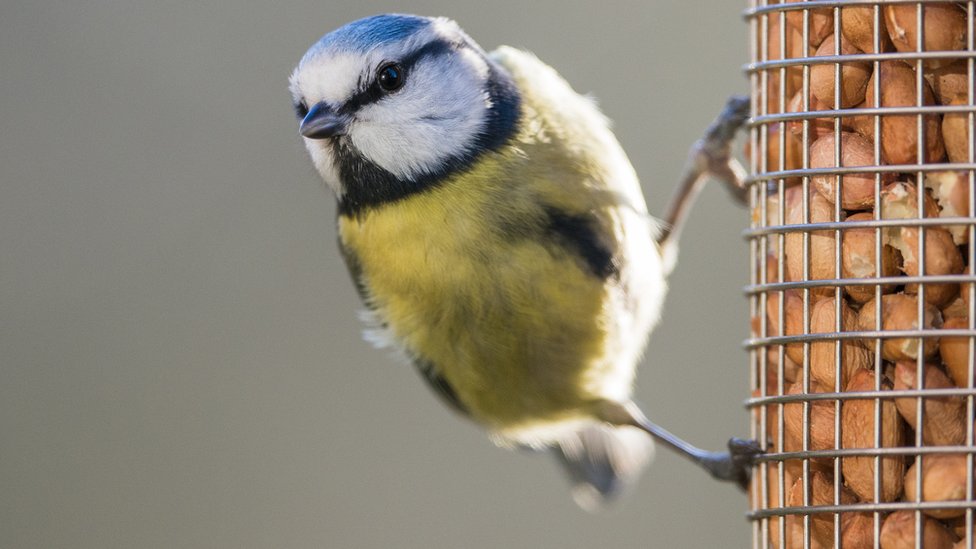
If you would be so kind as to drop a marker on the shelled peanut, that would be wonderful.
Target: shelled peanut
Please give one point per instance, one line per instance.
(880, 216)
(855, 528)
(898, 532)
(944, 80)
(943, 480)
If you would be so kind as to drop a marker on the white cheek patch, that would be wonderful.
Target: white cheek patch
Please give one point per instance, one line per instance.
(435, 117)
(333, 82)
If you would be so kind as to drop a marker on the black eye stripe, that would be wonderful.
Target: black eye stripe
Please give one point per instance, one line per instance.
(437, 47)
(301, 110)
(373, 92)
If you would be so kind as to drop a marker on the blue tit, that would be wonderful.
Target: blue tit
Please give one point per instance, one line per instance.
(497, 234)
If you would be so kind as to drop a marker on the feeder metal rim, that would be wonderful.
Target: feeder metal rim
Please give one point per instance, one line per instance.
(917, 333)
(888, 394)
(782, 457)
(815, 4)
(799, 116)
(757, 289)
(769, 230)
(860, 507)
(870, 169)
(776, 64)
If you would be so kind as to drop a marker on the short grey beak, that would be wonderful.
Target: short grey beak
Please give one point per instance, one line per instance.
(322, 122)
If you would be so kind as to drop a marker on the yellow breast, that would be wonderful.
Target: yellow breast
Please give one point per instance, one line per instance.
(510, 320)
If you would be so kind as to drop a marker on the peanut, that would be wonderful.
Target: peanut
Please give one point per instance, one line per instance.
(898, 532)
(943, 479)
(943, 418)
(858, 431)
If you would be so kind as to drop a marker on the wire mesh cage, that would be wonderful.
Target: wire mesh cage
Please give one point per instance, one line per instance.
(863, 235)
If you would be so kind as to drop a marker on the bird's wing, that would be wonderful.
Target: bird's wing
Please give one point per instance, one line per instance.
(576, 123)
(440, 386)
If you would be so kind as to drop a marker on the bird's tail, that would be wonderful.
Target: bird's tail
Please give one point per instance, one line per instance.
(603, 461)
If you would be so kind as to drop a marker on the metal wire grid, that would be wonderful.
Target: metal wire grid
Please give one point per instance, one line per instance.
(770, 177)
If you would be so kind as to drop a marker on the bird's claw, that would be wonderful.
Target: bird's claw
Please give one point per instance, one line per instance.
(714, 150)
(742, 454)
(735, 465)
(729, 121)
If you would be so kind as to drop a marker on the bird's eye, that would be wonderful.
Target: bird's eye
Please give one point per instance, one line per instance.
(301, 110)
(390, 77)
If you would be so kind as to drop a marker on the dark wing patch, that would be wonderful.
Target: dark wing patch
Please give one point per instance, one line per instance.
(355, 272)
(440, 385)
(580, 233)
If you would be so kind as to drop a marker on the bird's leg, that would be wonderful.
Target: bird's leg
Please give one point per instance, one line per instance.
(732, 466)
(710, 156)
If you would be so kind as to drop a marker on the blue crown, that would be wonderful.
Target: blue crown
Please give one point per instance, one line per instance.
(369, 32)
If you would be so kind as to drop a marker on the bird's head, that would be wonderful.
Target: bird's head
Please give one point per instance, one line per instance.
(391, 103)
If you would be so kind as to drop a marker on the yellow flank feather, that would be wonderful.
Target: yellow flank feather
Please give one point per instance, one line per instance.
(467, 275)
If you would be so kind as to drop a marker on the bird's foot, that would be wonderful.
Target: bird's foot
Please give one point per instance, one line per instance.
(710, 156)
(736, 464)
(713, 153)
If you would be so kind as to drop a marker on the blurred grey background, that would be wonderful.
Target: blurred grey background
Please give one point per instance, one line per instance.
(180, 359)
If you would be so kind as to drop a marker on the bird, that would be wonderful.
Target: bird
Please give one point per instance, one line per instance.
(498, 236)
